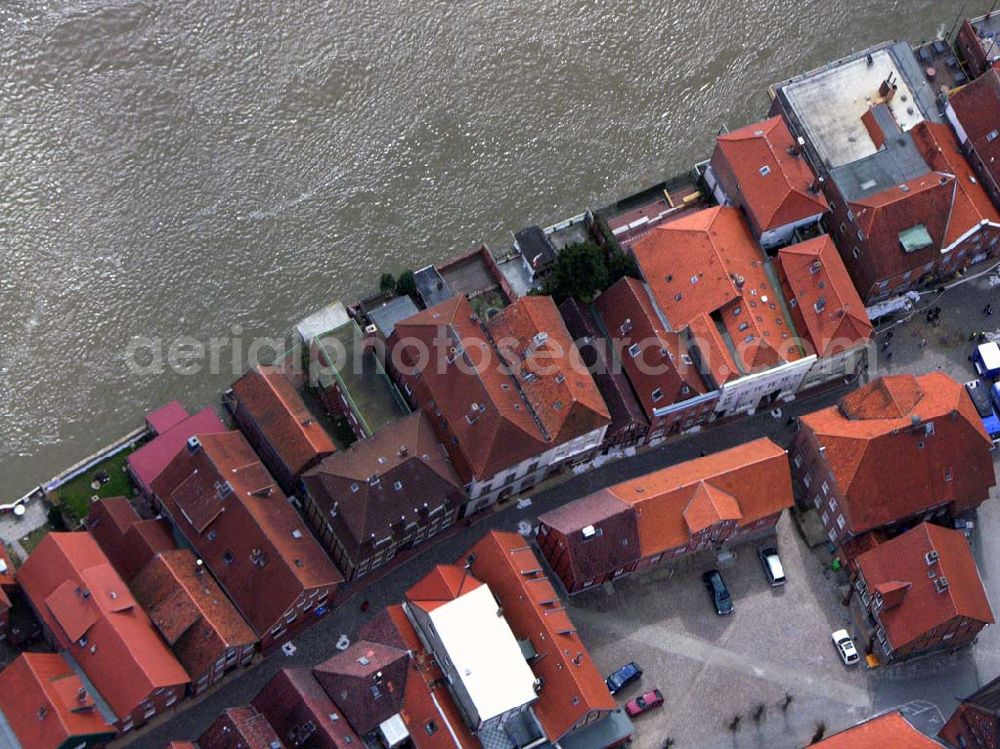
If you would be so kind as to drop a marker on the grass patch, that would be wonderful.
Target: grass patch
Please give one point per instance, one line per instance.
(489, 302)
(30, 541)
(73, 497)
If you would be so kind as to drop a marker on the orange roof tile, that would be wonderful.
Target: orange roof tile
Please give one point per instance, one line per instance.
(774, 184)
(77, 593)
(281, 415)
(925, 428)
(827, 306)
(444, 583)
(706, 268)
(746, 483)
(191, 611)
(572, 686)
(900, 568)
(46, 704)
(889, 730)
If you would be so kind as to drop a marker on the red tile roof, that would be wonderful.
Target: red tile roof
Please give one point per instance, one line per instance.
(889, 730)
(128, 541)
(662, 361)
(240, 728)
(294, 702)
(75, 591)
(971, 205)
(778, 197)
(272, 556)
(430, 713)
(898, 569)
(925, 428)
(46, 704)
(746, 483)
(190, 610)
(572, 686)
(708, 264)
(495, 425)
(532, 339)
(148, 461)
(442, 584)
(827, 307)
(282, 417)
(947, 201)
(977, 106)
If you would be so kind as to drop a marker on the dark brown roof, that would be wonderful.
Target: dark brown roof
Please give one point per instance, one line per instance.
(978, 108)
(595, 350)
(259, 548)
(367, 681)
(612, 540)
(302, 713)
(240, 728)
(128, 541)
(402, 471)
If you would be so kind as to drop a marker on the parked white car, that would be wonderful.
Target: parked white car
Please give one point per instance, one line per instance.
(845, 647)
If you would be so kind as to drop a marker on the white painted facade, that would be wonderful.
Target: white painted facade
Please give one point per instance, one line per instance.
(745, 394)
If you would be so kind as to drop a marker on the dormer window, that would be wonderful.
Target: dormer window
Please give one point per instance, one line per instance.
(764, 170)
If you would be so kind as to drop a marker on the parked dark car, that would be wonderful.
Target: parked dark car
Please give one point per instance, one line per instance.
(773, 569)
(623, 677)
(717, 589)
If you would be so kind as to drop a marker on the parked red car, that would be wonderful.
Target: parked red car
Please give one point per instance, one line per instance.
(644, 703)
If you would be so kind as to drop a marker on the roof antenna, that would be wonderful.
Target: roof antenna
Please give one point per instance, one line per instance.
(468, 567)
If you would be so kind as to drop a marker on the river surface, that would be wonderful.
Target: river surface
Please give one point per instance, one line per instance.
(201, 168)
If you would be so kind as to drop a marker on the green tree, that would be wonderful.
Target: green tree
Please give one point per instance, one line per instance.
(406, 284)
(580, 272)
(621, 265)
(387, 282)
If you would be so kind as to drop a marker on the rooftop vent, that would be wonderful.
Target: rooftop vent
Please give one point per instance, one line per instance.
(193, 444)
(589, 531)
(403, 449)
(941, 584)
(931, 556)
(820, 304)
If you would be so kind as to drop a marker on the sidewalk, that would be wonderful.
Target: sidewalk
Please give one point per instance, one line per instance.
(14, 528)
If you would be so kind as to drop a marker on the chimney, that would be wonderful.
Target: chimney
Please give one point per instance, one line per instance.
(374, 479)
(817, 185)
(199, 567)
(81, 694)
(403, 450)
(193, 444)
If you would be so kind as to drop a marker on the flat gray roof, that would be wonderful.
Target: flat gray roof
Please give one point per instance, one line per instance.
(385, 316)
(828, 103)
(431, 286)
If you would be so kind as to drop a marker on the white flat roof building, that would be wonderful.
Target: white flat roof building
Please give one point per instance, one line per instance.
(829, 102)
(484, 654)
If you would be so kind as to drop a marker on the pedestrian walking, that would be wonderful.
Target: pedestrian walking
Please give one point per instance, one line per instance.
(923, 343)
(988, 310)
(365, 605)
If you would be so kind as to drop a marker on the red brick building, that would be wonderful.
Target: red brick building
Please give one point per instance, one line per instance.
(761, 169)
(89, 612)
(712, 502)
(382, 495)
(274, 419)
(222, 499)
(978, 40)
(825, 306)
(127, 540)
(302, 713)
(974, 112)
(926, 227)
(46, 705)
(204, 630)
(656, 360)
(509, 398)
(899, 448)
(923, 591)
(888, 730)
(629, 425)
(975, 724)
(240, 728)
